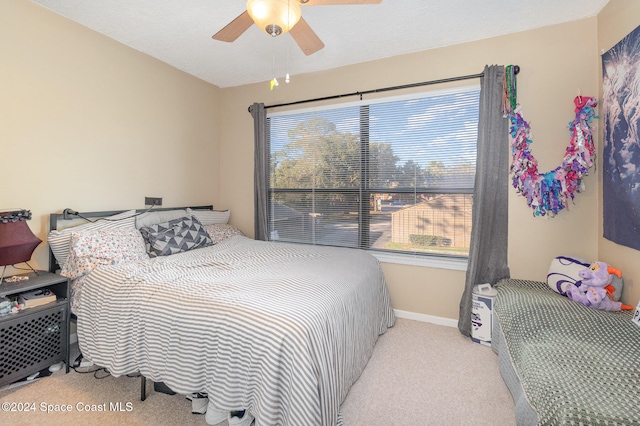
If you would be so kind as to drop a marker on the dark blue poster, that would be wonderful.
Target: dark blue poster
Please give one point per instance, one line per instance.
(621, 153)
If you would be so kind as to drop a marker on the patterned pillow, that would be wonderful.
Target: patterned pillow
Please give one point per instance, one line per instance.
(175, 236)
(60, 241)
(90, 249)
(221, 231)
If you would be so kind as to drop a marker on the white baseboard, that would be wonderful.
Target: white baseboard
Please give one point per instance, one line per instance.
(426, 318)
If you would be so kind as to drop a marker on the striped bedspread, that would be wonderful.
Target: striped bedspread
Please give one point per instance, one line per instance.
(282, 330)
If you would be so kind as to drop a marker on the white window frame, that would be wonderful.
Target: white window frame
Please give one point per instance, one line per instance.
(458, 263)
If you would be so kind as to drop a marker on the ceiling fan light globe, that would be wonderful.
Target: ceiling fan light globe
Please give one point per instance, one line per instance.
(275, 17)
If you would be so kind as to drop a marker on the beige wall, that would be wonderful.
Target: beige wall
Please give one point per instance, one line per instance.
(90, 124)
(557, 62)
(615, 21)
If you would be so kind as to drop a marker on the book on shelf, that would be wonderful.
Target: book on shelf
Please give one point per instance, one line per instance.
(38, 297)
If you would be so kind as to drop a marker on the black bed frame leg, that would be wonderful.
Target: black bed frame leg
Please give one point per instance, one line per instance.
(143, 388)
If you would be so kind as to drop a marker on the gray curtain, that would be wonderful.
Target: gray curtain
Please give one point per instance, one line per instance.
(488, 251)
(260, 170)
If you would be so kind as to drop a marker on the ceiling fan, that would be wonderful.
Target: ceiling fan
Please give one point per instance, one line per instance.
(277, 17)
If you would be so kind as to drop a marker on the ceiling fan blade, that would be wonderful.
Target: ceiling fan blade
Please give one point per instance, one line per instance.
(337, 2)
(308, 41)
(235, 28)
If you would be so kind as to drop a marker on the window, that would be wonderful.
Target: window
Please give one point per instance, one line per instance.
(393, 175)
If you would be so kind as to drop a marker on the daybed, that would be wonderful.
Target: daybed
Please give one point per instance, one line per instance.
(279, 329)
(565, 363)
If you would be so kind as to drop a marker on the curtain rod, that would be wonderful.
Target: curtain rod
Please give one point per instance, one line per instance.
(516, 70)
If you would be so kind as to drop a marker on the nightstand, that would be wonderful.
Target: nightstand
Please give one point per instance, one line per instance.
(34, 338)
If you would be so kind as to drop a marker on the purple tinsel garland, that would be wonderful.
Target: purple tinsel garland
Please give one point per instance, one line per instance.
(550, 192)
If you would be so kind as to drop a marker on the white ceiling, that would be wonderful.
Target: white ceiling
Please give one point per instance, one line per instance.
(179, 32)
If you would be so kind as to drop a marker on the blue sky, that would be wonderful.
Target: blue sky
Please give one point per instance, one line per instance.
(439, 127)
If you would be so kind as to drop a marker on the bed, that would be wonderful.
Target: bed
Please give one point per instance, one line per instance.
(565, 363)
(279, 329)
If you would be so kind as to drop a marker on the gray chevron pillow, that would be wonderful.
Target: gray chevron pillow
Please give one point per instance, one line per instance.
(175, 236)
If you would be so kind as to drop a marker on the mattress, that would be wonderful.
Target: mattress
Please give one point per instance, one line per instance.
(565, 363)
(525, 414)
(280, 329)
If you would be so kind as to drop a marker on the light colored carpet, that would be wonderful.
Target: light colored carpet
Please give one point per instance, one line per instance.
(419, 374)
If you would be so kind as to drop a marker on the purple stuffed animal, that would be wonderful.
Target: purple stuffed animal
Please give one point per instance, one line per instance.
(595, 290)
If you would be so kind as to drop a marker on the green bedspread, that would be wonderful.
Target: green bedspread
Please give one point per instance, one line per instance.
(576, 365)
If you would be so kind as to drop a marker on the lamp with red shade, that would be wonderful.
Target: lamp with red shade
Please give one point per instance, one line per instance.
(17, 242)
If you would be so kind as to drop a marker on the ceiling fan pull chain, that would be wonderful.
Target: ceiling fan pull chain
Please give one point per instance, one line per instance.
(273, 83)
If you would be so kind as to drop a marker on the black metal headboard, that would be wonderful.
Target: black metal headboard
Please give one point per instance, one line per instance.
(54, 218)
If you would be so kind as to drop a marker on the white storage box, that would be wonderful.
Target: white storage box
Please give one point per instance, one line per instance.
(483, 298)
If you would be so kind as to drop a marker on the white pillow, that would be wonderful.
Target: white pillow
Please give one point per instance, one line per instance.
(153, 218)
(566, 269)
(210, 217)
(60, 241)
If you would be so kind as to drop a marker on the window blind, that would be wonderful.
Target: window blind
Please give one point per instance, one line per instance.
(393, 174)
